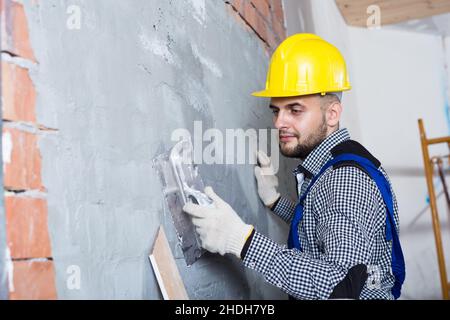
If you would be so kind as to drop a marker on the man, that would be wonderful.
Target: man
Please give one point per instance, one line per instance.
(343, 241)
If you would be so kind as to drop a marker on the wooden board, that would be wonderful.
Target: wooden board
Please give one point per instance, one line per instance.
(165, 268)
(392, 11)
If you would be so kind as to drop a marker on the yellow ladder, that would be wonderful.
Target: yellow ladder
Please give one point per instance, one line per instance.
(428, 164)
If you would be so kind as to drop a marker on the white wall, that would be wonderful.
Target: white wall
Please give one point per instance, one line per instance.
(397, 77)
(400, 77)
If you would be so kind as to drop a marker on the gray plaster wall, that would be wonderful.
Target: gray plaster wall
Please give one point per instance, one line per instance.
(115, 90)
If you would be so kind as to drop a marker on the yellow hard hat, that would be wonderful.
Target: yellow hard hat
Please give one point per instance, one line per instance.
(305, 64)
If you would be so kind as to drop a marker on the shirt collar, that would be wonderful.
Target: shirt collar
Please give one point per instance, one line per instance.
(320, 154)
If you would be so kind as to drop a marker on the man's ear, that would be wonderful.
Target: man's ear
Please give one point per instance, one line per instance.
(333, 114)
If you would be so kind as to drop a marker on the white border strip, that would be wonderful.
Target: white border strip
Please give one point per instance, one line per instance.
(158, 277)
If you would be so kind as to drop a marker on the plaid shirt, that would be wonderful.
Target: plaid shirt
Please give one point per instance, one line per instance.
(343, 225)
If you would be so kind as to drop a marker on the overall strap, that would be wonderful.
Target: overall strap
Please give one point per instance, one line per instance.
(398, 264)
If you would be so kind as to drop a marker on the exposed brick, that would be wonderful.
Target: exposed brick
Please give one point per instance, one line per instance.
(22, 160)
(262, 7)
(239, 18)
(262, 28)
(33, 280)
(265, 18)
(272, 40)
(279, 29)
(18, 94)
(255, 20)
(250, 14)
(238, 5)
(14, 29)
(26, 227)
(277, 8)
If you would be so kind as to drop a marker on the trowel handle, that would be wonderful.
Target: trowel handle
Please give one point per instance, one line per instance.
(197, 197)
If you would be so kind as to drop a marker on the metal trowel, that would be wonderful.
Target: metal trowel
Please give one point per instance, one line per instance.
(182, 183)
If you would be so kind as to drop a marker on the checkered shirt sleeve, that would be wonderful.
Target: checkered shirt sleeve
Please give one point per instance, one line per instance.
(285, 209)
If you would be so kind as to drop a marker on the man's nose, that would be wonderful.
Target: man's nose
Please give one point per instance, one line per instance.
(280, 121)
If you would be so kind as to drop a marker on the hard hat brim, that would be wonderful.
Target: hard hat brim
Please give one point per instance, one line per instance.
(271, 94)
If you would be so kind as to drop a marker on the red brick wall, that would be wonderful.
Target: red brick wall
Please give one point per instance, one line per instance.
(264, 17)
(27, 233)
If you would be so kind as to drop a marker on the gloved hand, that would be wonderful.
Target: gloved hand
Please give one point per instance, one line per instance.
(266, 179)
(219, 227)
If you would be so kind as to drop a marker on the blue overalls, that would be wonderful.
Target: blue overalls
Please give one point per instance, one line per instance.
(398, 263)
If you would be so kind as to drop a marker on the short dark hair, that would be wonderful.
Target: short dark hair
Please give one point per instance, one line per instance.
(327, 100)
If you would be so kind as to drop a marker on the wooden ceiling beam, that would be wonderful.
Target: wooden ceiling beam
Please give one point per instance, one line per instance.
(392, 11)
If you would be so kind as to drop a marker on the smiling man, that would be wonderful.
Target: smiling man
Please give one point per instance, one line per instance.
(343, 239)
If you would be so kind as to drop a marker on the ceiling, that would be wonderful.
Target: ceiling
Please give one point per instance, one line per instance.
(439, 25)
(430, 16)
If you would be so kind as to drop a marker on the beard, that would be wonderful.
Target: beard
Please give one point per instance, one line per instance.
(302, 150)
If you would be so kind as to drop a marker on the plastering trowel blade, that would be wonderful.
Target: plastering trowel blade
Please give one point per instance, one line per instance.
(181, 184)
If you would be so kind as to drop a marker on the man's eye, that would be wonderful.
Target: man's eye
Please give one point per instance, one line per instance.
(296, 111)
(274, 111)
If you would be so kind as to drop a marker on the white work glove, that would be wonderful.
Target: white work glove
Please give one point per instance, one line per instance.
(266, 179)
(219, 227)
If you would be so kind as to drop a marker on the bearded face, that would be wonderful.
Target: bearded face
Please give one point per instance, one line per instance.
(302, 123)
